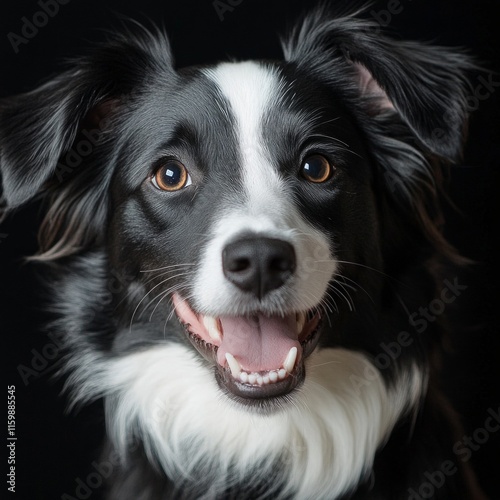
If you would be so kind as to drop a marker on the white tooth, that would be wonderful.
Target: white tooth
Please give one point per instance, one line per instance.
(252, 377)
(273, 376)
(244, 377)
(260, 380)
(265, 379)
(282, 373)
(234, 366)
(289, 362)
(212, 325)
(301, 321)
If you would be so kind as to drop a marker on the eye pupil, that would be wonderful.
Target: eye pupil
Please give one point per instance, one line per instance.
(171, 176)
(316, 169)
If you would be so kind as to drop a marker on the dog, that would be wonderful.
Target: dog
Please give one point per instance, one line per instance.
(235, 251)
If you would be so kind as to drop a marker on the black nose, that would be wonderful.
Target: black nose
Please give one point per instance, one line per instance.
(258, 264)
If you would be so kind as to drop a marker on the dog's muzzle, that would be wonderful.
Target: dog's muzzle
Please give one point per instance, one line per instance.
(257, 356)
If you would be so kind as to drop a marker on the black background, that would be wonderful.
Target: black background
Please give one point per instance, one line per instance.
(54, 449)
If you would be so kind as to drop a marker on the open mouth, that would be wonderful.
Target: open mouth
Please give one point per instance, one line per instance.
(256, 357)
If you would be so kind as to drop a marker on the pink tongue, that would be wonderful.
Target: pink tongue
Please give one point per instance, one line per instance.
(260, 342)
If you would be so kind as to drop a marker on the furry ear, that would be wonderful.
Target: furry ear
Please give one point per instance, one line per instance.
(38, 127)
(371, 91)
(425, 84)
(41, 130)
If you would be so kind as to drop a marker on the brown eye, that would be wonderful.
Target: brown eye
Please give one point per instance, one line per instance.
(171, 176)
(316, 168)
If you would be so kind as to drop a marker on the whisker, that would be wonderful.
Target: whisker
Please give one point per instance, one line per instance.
(356, 285)
(366, 267)
(325, 363)
(187, 270)
(169, 289)
(329, 302)
(172, 312)
(167, 267)
(162, 295)
(145, 283)
(150, 291)
(340, 294)
(351, 302)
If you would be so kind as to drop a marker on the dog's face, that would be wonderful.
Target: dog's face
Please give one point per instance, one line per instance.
(255, 212)
(237, 188)
(245, 199)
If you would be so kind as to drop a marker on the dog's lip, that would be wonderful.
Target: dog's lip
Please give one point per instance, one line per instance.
(256, 396)
(249, 385)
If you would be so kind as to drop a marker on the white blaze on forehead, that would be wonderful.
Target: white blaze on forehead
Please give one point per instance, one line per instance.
(252, 90)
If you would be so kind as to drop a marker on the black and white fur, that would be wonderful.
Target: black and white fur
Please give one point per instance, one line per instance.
(367, 242)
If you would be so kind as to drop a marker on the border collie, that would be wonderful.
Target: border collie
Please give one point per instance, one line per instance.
(236, 250)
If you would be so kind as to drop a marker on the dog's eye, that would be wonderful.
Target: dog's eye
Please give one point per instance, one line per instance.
(316, 168)
(171, 176)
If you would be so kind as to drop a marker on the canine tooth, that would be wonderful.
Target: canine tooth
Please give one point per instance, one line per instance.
(252, 378)
(273, 376)
(301, 321)
(244, 377)
(212, 326)
(234, 366)
(289, 362)
(281, 373)
(260, 380)
(265, 379)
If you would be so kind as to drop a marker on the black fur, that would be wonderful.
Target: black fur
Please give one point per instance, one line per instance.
(103, 226)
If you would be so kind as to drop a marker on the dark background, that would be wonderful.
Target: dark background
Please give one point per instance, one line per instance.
(54, 449)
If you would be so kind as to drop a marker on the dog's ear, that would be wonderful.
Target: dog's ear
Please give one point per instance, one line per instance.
(75, 114)
(425, 84)
(39, 127)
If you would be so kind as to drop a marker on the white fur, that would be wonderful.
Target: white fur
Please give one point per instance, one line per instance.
(327, 436)
(265, 206)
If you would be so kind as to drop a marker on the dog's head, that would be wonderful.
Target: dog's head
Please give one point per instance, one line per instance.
(248, 200)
